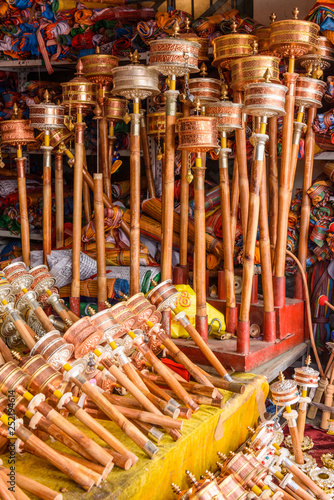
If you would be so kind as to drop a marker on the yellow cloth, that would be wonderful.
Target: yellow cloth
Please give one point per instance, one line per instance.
(208, 431)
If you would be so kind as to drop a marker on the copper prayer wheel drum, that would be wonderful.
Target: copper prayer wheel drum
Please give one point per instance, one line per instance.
(53, 348)
(124, 317)
(4, 404)
(309, 92)
(5, 288)
(163, 294)
(37, 270)
(42, 279)
(140, 306)
(293, 38)
(265, 99)
(79, 92)
(227, 48)
(46, 116)
(135, 82)
(11, 376)
(169, 56)
(229, 114)
(97, 67)
(325, 49)
(232, 489)
(42, 375)
(198, 133)
(61, 135)
(241, 466)
(206, 89)
(263, 35)
(84, 336)
(157, 123)
(105, 322)
(114, 108)
(203, 53)
(14, 267)
(306, 376)
(16, 132)
(284, 393)
(252, 69)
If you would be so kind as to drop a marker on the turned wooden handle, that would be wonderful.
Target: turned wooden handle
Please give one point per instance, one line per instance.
(54, 458)
(121, 461)
(95, 426)
(99, 469)
(297, 450)
(301, 424)
(43, 319)
(328, 402)
(205, 349)
(308, 482)
(24, 333)
(96, 451)
(5, 494)
(317, 398)
(34, 487)
(109, 409)
(16, 491)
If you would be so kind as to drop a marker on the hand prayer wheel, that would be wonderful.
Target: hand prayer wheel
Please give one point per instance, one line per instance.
(174, 56)
(252, 70)
(105, 321)
(198, 134)
(84, 336)
(98, 67)
(46, 116)
(191, 36)
(323, 59)
(79, 92)
(54, 349)
(309, 92)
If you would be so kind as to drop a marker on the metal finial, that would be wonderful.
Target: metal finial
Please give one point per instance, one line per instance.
(210, 474)
(197, 104)
(220, 465)
(36, 337)
(309, 68)
(46, 96)
(191, 478)
(234, 25)
(318, 73)
(224, 92)
(187, 23)
(222, 456)
(176, 489)
(106, 303)
(91, 311)
(281, 377)
(295, 13)
(247, 449)
(154, 283)
(91, 362)
(272, 17)
(16, 355)
(255, 47)
(308, 360)
(203, 70)
(251, 430)
(267, 75)
(97, 49)
(68, 322)
(15, 111)
(79, 68)
(97, 111)
(176, 29)
(134, 57)
(231, 454)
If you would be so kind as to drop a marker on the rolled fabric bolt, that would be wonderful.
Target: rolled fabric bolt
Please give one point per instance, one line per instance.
(34, 487)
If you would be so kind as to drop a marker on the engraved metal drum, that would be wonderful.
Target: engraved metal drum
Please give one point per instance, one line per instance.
(11, 376)
(284, 393)
(42, 375)
(265, 99)
(198, 133)
(140, 306)
(163, 294)
(97, 67)
(135, 82)
(16, 133)
(84, 336)
(124, 317)
(79, 92)
(114, 108)
(306, 376)
(105, 321)
(325, 49)
(309, 92)
(169, 56)
(206, 89)
(156, 123)
(46, 116)
(229, 114)
(252, 69)
(227, 48)
(263, 35)
(203, 54)
(293, 37)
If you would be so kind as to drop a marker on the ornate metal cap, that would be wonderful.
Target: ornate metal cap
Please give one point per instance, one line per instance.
(135, 81)
(46, 115)
(79, 91)
(174, 56)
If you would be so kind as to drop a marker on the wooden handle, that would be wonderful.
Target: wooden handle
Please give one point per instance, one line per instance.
(43, 319)
(297, 450)
(328, 402)
(99, 469)
(96, 451)
(121, 461)
(34, 487)
(54, 458)
(47, 208)
(301, 424)
(23, 205)
(134, 205)
(59, 196)
(308, 482)
(205, 349)
(103, 151)
(99, 235)
(24, 333)
(16, 490)
(317, 398)
(202, 390)
(147, 157)
(5, 494)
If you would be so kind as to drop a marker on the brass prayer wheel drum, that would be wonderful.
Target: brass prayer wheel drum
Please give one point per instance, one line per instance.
(16, 133)
(46, 116)
(198, 133)
(240, 465)
(292, 37)
(265, 99)
(79, 92)
(252, 69)
(227, 48)
(309, 92)
(54, 349)
(163, 295)
(114, 108)
(61, 135)
(105, 322)
(125, 318)
(203, 54)
(324, 58)
(84, 336)
(97, 67)
(43, 377)
(206, 89)
(174, 56)
(18, 277)
(263, 35)
(42, 279)
(228, 114)
(232, 489)
(11, 376)
(140, 306)
(157, 123)
(306, 376)
(135, 82)
(14, 267)
(284, 393)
